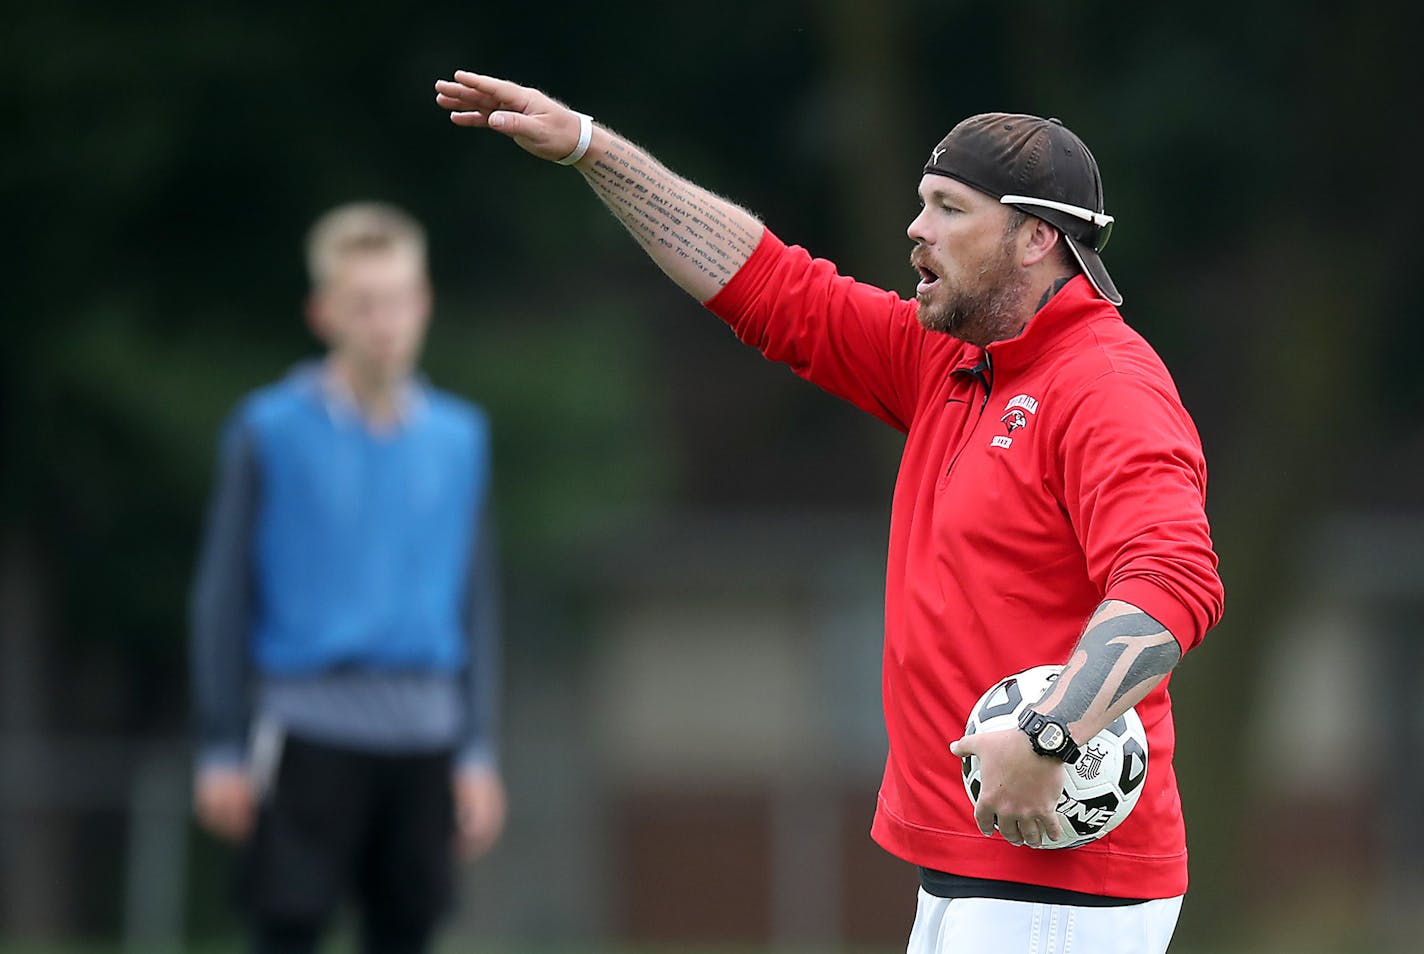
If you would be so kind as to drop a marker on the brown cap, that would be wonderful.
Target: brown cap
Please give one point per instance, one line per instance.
(1037, 166)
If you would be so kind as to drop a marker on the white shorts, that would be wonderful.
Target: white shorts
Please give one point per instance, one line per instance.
(975, 925)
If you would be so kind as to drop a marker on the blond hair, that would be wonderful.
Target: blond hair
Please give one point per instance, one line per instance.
(359, 227)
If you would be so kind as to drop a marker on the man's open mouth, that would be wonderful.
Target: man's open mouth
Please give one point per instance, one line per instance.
(928, 279)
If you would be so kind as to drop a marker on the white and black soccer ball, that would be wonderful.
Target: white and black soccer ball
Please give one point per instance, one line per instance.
(1103, 785)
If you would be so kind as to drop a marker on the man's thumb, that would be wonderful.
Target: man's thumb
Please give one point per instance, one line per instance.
(962, 747)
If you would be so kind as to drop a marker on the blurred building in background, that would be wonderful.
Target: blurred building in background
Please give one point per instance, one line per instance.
(708, 773)
(1337, 740)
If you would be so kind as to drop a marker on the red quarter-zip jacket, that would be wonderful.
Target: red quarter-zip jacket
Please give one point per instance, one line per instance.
(1040, 476)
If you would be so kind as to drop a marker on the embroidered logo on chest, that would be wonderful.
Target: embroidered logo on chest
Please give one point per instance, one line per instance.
(1015, 418)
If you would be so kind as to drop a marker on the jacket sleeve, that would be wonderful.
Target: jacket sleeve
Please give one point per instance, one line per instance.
(1134, 486)
(856, 341)
(221, 603)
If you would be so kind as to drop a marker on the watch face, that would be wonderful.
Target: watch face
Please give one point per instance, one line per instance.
(1050, 737)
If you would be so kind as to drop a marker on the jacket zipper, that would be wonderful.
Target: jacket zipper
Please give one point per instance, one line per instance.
(983, 373)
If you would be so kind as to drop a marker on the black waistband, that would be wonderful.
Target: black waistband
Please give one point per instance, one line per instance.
(942, 884)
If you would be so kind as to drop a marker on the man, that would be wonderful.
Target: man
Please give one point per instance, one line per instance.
(1049, 506)
(344, 615)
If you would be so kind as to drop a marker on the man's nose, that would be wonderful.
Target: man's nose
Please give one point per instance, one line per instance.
(914, 231)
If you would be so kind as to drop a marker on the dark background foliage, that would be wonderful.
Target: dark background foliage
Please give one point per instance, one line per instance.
(161, 162)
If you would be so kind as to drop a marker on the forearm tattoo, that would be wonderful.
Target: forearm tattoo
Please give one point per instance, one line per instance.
(1116, 655)
(677, 223)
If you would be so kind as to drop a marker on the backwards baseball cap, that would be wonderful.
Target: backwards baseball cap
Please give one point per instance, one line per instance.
(1037, 166)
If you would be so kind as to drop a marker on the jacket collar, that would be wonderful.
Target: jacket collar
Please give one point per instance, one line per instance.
(1074, 307)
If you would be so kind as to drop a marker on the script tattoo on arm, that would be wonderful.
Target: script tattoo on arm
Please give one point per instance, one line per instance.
(699, 239)
(1121, 656)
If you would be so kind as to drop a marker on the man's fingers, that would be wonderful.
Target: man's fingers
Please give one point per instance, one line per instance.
(507, 94)
(461, 113)
(446, 101)
(511, 124)
(1052, 827)
(1017, 829)
(449, 93)
(454, 91)
(1021, 830)
(984, 818)
(470, 119)
(502, 120)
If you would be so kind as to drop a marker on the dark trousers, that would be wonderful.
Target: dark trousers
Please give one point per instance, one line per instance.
(338, 825)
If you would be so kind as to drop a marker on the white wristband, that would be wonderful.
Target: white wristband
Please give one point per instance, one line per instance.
(585, 137)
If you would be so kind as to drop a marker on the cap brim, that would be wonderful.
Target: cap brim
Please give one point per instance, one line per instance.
(1092, 265)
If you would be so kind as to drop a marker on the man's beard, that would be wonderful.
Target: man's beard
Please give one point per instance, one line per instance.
(989, 310)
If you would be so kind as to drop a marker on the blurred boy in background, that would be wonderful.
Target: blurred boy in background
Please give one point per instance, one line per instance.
(344, 644)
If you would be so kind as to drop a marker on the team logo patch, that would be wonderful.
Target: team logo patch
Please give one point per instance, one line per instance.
(1024, 401)
(1016, 417)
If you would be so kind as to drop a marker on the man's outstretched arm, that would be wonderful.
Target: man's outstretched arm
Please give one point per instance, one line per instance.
(697, 238)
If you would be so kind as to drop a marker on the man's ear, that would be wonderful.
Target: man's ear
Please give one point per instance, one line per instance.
(1043, 239)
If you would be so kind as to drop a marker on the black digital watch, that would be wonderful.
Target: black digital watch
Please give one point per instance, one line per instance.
(1048, 736)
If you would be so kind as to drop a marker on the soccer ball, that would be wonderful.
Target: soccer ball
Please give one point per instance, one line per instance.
(1103, 785)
